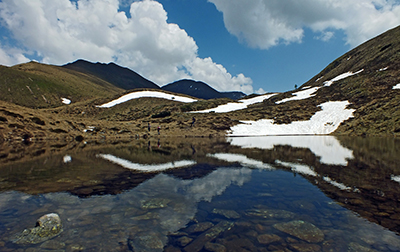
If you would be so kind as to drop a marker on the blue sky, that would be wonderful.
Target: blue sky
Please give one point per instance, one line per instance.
(247, 45)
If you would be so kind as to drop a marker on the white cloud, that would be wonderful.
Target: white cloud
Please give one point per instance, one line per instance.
(11, 56)
(266, 23)
(96, 30)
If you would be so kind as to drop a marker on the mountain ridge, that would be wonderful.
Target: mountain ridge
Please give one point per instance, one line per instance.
(364, 78)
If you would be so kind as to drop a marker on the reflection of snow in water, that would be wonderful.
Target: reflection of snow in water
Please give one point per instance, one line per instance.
(146, 167)
(308, 171)
(153, 209)
(242, 159)
(303, 169)
(327, 147)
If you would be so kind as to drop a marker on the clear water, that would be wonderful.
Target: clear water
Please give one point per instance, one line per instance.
(239, 194)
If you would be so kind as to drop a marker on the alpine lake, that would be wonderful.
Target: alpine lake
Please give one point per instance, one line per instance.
(272, 193)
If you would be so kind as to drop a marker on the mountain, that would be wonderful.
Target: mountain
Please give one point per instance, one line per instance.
(200, 90)
(37, 85)
(365, 81)
(365, 77)
(119, 76)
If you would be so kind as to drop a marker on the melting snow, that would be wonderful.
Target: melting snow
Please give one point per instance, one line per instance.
(337, 184)
(321, 123)
(233, 106)
(300, 95)
(67, 159)
(340, 77)
(145, 167)
(395, 178)
(141, 94)
(65, 101)
(328, 148)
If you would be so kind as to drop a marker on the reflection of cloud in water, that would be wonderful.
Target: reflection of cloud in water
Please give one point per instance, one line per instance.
(146, 167)
(327, 147)
(242, 159)
(183, 195)
(158, 206)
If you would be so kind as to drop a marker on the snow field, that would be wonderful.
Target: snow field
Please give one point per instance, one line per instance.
(141, 94)
(233, 106)
(321, 123)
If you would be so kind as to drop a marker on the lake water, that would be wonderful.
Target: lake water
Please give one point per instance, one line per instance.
(293, 193)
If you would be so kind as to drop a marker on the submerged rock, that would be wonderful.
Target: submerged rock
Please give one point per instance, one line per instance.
(270, 213)
(47, 227)
(208, 236)
(229, 214)
(154, 203)
(199, 227)
(268, 238)
(302, 230)
(151, 242)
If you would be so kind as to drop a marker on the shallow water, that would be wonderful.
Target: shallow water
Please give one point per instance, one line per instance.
(298, 193)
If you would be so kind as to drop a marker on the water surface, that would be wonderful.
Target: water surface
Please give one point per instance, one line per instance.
(298, 193)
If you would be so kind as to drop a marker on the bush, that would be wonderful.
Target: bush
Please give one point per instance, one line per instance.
(161, 114)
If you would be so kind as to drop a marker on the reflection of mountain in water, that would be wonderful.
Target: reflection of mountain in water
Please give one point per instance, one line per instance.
(153, 209)
(360, 173)
(363, 176)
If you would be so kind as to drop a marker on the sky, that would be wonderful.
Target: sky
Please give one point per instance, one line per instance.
(253, 46)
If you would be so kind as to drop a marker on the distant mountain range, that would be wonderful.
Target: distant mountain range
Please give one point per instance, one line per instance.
(127, 79)
(200, 90)
(367, 78)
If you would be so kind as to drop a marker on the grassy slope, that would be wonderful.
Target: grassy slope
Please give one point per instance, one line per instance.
(370, 93)
(37, 85)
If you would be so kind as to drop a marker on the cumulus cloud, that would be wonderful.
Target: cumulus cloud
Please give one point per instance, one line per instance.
(266, 23)
(96, 30)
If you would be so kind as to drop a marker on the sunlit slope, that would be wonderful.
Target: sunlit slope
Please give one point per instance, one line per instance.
(38, 85)
(366, 77)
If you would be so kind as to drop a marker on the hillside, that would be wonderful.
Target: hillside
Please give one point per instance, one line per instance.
(365, 77)
(354, 95)
(119, 76)
(38, 85)
(200, 90)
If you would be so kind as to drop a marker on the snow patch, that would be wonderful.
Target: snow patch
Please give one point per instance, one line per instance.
(337, 184)
(301, 95)
(341, 77)
(321, 123)
(66, 101)
(233, 106)
(328, 148)
(67, 159)
(145, 167)
(141, 94)
(397, 86)
(383, 69)
(395, 178)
